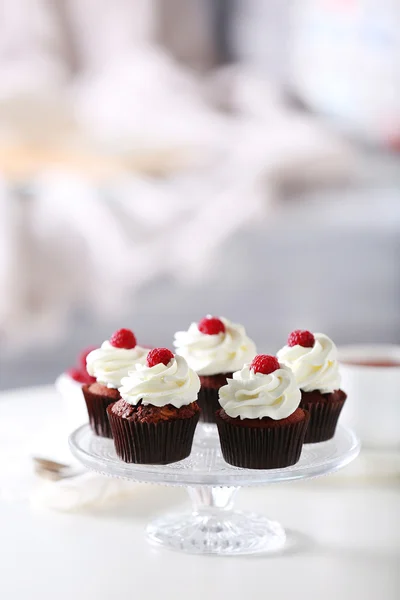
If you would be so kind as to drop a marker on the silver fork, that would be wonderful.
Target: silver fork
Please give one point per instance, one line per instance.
(50, 469)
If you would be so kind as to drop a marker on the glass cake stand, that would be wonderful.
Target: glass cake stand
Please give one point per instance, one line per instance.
(213, 526)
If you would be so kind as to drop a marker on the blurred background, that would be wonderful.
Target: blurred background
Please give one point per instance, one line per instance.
(165, 159)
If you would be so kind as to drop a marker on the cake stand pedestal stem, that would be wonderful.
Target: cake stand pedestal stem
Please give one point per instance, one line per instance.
(207, 498)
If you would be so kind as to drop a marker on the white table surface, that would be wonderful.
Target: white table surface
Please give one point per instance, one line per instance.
(345, 537)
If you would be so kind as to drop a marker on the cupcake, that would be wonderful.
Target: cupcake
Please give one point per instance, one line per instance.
(155, 420)
(313, 360)
(108, 365)
(214, 348)
(260, 424)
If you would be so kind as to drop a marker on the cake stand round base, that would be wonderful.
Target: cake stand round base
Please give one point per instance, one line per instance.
(230, 533)
(213, 527)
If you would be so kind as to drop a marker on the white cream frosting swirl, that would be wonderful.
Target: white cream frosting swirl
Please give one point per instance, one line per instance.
(252, 395)
(315, 368)
(223, 352)
(110, 364)
(160, 385)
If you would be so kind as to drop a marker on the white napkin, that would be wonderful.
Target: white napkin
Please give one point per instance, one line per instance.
(83, 491)
(86, 489)
(37, 426)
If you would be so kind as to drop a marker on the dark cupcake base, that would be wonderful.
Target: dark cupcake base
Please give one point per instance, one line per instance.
(208, 398)
(324, 410)
(152, 443)
(262, 443)
(97, 405)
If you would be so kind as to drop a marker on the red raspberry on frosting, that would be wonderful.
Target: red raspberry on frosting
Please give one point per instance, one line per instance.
(264, 363)
(80, 376)
(123, 338)
(75, 374)
(301, 337)
(159, 355)
(211, 326)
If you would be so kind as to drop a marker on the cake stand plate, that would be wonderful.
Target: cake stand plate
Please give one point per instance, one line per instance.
(213, 526)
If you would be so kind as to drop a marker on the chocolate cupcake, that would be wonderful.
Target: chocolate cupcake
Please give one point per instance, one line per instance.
(260, 424)
(98, 397)
(313, 360)
(155, 420)
(214, 348)
(109, 364)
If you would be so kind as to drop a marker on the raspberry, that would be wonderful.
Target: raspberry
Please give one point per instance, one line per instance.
(211, 326)
(159, 355)
(264, 363)
(86, 378)
(301, 337)
(83, 355)
(123, 338)
(80, 375)
(75, 374)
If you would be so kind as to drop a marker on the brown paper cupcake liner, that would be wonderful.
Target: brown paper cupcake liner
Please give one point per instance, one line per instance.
(97, 411)
(152, 443)
(324, 417)
(262, 447)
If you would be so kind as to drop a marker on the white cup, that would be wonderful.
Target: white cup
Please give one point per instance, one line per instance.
(73, 403)
(373, 404)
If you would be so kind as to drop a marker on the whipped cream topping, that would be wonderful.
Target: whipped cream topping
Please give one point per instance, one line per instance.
(110, 364)
(314, 368)
(224, 352)
(160, 385)
(251, 395)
